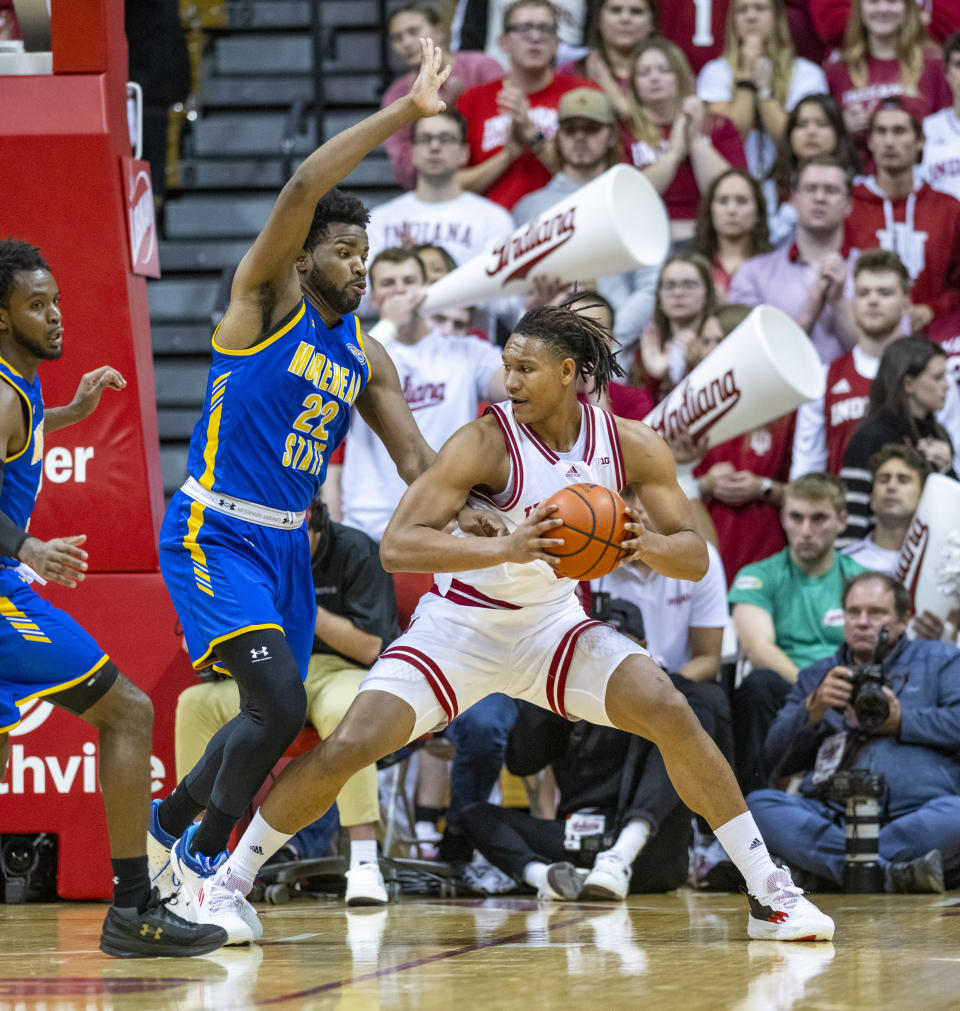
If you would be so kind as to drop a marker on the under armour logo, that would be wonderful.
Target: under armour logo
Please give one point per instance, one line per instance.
(228, 505)
(756, 844)
(145, 929)
(116, 880)
(256, 655)
(256, 849)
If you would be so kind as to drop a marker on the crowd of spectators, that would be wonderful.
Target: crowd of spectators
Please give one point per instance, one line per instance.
(808, 156)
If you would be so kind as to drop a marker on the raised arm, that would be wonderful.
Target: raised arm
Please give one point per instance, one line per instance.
(266, 286)
(85, 401)
(414, 540)
(673, 548)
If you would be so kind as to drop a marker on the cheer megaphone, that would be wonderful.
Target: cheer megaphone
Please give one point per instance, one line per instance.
(615, 223)
(929, 562)
(766, 367)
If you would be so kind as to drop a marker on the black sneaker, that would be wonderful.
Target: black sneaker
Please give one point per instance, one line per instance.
(924, 875)
(129, 933)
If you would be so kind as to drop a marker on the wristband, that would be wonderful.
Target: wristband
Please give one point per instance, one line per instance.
(748, 84)
(11, 537)
(766, 487)
(536, 140)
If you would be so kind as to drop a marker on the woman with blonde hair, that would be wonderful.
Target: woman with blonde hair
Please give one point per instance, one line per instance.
(616, 28)
(672, 139)
(885, 52)
(758, 80)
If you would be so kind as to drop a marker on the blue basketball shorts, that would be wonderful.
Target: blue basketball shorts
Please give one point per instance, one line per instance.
(227, 576)
(42, 649)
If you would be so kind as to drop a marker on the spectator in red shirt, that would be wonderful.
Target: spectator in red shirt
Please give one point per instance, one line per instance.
(617, 28)
(511, 122)
(696, 26)
(939, 17)
(731, 225)
(920, 224)
(885, 53)
(405, 26)
(680, 148)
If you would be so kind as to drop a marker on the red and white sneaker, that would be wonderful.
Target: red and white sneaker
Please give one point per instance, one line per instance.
(783, 914)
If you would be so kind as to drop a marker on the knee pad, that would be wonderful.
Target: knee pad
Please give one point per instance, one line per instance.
(269, 680)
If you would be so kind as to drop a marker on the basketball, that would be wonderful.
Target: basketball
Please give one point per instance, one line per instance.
(594, 521)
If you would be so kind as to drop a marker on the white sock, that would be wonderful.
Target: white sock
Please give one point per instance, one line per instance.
(535, 874)
(743, 843)
(257, 845)
(633, 837)
(363, 851)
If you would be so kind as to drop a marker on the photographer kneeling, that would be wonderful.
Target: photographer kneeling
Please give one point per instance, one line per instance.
(914, 747)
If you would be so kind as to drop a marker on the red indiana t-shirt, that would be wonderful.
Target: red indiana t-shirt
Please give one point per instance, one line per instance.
(682, 196)
(746, 533)
(844, 407)
(487, 130)
(698, 27)
(883, 81)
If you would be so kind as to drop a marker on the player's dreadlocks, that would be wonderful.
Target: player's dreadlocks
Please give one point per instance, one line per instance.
(570, 335)
(14, 257)
(335, 205)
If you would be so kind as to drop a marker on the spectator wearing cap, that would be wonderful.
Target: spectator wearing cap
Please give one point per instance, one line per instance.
(618, 814)
(587, 144)
(512, 121)
(892, 210)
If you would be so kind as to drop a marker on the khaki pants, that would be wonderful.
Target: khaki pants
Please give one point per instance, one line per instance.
(331, 686)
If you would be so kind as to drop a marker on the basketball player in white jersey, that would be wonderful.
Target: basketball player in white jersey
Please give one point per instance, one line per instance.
(500, 619)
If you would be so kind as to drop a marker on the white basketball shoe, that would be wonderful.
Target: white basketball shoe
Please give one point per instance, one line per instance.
(203, 900)
(783, 914)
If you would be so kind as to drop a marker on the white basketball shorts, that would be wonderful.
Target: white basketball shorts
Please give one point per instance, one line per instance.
(453, 655)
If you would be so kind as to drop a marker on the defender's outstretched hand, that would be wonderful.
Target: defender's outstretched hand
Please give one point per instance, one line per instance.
(430, 80)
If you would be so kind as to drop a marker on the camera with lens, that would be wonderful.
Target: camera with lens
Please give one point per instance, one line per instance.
(868, 699)
(28, 868)
(860, 790)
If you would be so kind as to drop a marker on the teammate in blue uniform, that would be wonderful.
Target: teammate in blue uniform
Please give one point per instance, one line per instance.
(289, 360)
(43, 651)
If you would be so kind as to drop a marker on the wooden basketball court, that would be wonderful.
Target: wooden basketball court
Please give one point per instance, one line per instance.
(680, 950)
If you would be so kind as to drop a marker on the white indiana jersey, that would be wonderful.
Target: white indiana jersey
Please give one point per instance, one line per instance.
(536, 473)
(443, 380)
(941, 152)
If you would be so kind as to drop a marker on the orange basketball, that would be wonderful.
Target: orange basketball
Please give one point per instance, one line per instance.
(593, 527)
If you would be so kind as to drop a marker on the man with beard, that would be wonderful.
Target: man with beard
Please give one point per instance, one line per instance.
(289, 361)
(43, 651)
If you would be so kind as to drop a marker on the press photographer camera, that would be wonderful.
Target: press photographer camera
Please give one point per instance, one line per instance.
(879, 800)
(869, 702)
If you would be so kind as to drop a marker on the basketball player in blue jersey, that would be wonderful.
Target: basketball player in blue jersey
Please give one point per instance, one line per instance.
(289, 361)
(44, 652)
(500, 620)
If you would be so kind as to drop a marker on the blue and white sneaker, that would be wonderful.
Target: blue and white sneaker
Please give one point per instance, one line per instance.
(203, 900)
(159, 844)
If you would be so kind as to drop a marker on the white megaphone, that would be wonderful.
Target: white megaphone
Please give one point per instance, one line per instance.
(766, 367)
(929, 562)
(615, 223)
